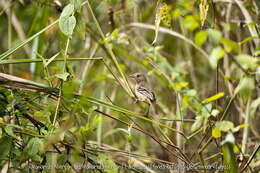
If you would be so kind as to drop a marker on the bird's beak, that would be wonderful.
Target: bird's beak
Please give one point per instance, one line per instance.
(132, 76)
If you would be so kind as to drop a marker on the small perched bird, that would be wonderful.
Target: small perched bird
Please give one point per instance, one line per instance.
(143, 92)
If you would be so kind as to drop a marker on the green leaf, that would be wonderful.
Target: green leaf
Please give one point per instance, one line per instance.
(5, 147)
(216, 133)
(129, 138)
(197, 124)
(77, 4)
(213, 98)
(205, 111)
(67, 25)
(63, 76)
(216, 54)
(176, 13)
(107, 162)
(34, 146)
(237, 128)
(254, 105)
(51, 59)
(81, 27)
(245, 87)
(67, 11)
(247, 61)
(224, 125)
(247, 39)
(214, 36)
(191, 23)
(229, 156)
(230, 45)
(200, 38)
(215, 112)
(9, 131)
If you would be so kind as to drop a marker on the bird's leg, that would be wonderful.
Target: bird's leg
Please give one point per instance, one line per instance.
(136, 101)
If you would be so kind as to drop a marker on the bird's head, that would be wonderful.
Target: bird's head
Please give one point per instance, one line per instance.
(138, 77)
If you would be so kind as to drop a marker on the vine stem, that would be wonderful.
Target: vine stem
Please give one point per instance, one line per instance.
(60, 89)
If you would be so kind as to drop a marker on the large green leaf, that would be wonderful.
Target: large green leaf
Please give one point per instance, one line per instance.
(67, 11)
(67, 25)
(247, 61)
(245, 87)
(224, 125)
(227, 147)
(5, 147)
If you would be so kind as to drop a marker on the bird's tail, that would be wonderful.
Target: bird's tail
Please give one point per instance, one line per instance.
(154, 107)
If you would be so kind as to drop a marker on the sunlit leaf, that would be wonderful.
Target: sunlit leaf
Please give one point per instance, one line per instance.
(215, 112)
(213, 98)
(176, 13)
(67, 11)
(247, 61)
(216, 133)
(224, 125)
(197, 124)
(180, 85)
(51, 59)
(245, 87)
(67, 24)
(190, 22)
(247, 39)
(230, 45)
(214, 36)
(215, 55)
(237, 128)
(63, 76)
(200, 38)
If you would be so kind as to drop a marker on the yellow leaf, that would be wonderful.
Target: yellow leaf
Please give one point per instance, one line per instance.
(216, 133)
(213, 98)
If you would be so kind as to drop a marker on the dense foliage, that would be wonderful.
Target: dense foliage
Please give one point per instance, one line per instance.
(67, 102)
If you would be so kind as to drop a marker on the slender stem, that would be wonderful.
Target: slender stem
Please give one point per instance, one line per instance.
(60, 89)
(124, 83)
(246, 129)
(10, 37)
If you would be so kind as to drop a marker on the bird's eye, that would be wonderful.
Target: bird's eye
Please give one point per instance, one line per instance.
(138, 75)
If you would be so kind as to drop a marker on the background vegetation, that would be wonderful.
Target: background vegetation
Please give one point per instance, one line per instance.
(68, 104)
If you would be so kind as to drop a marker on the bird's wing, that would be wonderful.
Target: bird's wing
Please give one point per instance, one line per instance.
(147, 92)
